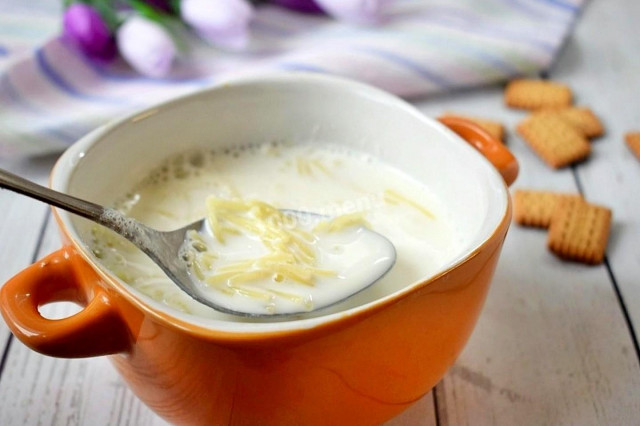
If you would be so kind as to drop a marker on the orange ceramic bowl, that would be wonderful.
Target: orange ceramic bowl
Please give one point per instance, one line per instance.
(361, 365)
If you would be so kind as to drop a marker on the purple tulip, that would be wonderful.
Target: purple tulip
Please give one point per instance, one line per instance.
(146, 46)
(357, 11)
(84, 28)
(305, 6)
(222, 22)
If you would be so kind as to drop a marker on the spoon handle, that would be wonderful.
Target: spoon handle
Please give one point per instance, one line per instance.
(131, 229)
(72, 204)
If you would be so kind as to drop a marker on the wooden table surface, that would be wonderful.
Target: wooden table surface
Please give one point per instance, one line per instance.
(556, 343)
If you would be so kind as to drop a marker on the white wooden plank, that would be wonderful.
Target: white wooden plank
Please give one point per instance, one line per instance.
(422, 413)
(602, 63)
(21, 221)
(21, 218)
(552, 345)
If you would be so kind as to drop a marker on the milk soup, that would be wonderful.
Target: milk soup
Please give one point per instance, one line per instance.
(254, 257)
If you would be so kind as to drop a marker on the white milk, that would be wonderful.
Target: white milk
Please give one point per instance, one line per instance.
(322, 179)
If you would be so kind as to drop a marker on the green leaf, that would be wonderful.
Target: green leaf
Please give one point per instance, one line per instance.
(175, 6)
(108, 12)
(148, 11)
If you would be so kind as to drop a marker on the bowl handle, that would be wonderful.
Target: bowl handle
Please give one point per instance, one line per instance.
(494, 150)
(98, 329)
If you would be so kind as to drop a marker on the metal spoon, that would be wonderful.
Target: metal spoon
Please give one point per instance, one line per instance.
(162, 247)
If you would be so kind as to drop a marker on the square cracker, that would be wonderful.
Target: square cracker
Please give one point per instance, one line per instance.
(536, 208)
(536, 94)
(494, 128)
(581, 118)
(633, 142)
(579, 231)
(557, 142)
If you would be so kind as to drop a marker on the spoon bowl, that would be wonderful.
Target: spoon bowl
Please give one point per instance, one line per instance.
(165, 248)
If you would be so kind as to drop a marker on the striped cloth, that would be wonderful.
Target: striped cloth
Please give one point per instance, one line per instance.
(50, 95)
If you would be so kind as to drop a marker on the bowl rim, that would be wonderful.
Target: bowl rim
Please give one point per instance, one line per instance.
(63, 169)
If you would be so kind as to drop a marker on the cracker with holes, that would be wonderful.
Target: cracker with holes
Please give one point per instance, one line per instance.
(494, 128)
(557, 142)
(633, 142)
(579, 231)
(535, 208)
(581, 118)
(537, 94)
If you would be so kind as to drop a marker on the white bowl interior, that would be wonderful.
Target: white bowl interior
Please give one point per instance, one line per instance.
(105, 164)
